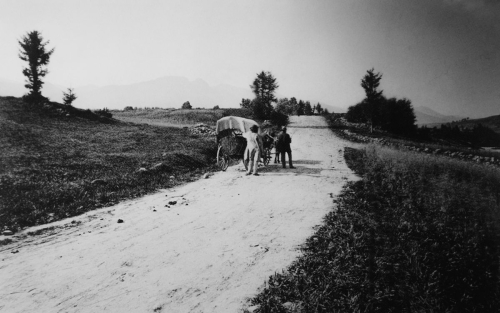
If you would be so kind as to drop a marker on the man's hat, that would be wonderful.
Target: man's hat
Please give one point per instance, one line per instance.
(283, 128)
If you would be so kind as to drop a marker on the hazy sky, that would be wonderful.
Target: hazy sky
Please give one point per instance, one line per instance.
(444, 54)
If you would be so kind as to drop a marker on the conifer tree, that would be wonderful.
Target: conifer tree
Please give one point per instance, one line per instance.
(33, 50)
(370, 84)
(69, 97)
(264, 87)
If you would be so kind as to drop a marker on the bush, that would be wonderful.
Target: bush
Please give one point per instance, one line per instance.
(397, 116)
(104, 113)
(392, 115)
(261, 110)
(357, 113)
(279, 119)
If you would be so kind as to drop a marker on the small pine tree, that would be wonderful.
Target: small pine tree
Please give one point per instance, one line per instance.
(319, 109)
(33, 51)
(308, 108)
(187, 105)
(69, 97)
(370, 83)
(300, 108)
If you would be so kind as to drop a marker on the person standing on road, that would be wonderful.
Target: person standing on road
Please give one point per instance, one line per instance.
(284, 142)
(253, 151)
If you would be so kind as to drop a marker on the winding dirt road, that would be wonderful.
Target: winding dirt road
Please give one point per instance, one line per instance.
(209, 252)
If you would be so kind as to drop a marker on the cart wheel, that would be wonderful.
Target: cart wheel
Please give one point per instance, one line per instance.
(222, 159)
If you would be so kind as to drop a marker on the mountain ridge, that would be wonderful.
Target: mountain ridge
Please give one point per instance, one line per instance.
(428, 116)
(164, 92)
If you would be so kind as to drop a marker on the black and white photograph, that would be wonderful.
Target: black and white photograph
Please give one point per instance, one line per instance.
(249, 156)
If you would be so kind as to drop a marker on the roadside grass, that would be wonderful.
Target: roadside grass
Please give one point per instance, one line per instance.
(418, 233)
(178, 117)
(53, 167)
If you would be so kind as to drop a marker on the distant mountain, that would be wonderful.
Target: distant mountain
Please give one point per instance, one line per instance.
(165, 92)
(11, 88)
(17, 89)
(428, 116)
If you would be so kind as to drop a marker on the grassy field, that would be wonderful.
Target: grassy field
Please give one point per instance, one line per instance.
(177, 117)
(418, 233)
(56, 162)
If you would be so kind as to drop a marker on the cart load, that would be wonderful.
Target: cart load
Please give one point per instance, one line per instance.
(231, 144)
(233, 125)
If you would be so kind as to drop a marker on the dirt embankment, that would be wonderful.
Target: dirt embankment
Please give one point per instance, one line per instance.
(208, 252)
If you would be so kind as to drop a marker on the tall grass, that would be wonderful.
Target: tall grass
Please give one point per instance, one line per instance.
(52, 167)
(418, 233)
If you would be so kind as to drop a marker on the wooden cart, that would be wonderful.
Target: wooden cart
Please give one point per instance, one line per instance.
(231, 144)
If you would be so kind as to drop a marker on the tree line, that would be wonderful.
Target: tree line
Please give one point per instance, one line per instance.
(265, 105)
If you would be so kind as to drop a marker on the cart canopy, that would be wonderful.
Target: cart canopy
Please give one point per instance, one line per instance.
(235, 122)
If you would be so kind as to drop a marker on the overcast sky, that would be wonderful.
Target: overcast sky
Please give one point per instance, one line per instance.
(444, 54)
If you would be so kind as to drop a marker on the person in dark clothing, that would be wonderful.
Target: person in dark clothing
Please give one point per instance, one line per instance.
(284, 142)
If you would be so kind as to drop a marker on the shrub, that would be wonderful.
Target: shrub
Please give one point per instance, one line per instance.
(104, 113)
(69, 97)
(279, 119)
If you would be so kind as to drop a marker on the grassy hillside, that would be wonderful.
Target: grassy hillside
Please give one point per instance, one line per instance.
(59, 161)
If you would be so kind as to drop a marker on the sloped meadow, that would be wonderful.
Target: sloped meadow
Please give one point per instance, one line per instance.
(53, 167)
(418, 233)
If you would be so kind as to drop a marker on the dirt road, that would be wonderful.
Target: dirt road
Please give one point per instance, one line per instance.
(209, 252)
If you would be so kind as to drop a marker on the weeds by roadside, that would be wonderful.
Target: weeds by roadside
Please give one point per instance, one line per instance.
(419, 233)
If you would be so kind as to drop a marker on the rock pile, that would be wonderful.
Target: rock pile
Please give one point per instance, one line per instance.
(356, 137)
(202, 129)
(342, 122)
